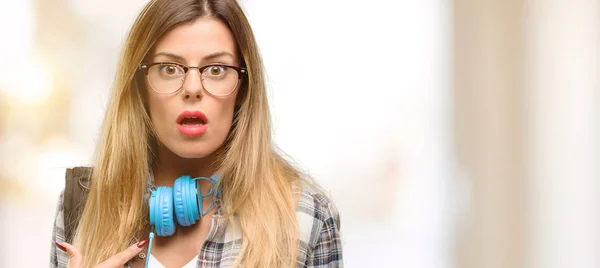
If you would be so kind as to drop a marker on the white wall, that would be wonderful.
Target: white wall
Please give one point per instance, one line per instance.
(564, 126)
(360, 95)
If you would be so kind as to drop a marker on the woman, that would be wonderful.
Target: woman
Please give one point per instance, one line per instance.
(189, 99)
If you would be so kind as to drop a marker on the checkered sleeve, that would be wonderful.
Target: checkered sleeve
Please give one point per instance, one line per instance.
(327, 251)
(57, 257)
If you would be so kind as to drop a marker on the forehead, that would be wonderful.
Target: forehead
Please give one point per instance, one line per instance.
(196, 39)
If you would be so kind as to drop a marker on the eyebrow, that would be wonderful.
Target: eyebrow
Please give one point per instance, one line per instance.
(205, 58)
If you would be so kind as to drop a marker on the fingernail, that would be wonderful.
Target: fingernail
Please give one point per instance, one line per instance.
(142, 243)
(60, 246)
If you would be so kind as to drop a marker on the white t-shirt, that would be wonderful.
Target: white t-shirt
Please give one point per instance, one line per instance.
(154, 263)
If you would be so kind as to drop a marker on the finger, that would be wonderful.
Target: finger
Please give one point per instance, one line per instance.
(74, 255)
(124, 256)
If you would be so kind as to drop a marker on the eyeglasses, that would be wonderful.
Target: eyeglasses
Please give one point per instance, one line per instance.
(217, 79)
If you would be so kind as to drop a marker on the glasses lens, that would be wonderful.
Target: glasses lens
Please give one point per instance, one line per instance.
(166, 78)
(219, 80)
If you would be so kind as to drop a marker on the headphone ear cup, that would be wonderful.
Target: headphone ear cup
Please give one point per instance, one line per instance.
(186, 206)
(161, 211)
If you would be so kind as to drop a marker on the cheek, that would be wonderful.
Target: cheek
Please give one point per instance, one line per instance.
(223, 116)
(157, 110)
(163, 116)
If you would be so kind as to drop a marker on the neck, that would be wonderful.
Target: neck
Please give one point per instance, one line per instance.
(171, 166)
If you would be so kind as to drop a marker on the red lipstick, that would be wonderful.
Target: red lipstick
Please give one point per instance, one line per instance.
(192, 123)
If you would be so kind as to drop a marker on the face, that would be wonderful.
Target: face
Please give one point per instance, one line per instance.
(191, 122)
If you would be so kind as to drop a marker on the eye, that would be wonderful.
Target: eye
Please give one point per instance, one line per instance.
(215, 70)
(170, 69)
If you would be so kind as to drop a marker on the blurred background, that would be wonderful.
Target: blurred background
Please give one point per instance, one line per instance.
(450, 133)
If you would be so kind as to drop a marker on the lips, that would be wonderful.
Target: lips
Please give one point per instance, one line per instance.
(192, 123)
(191, 116)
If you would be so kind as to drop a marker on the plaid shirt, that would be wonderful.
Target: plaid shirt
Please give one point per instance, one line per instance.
(318, 222)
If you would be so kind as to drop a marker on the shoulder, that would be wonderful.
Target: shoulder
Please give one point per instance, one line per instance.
(318, 226)
(315, 202)
(316, 213)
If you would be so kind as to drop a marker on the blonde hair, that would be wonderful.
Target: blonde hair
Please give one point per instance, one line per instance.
(257, 181)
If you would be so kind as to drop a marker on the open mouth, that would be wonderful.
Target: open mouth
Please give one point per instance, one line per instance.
(192, 118)
(192, 121)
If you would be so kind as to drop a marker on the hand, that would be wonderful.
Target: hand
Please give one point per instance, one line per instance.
(115, 261)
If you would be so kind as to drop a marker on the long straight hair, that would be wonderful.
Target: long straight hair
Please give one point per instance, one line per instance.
(256, 180)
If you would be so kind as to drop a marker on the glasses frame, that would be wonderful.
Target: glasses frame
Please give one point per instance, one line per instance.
(242, 72)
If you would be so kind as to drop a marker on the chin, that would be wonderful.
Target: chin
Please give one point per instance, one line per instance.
(192, 149)
(191, 152)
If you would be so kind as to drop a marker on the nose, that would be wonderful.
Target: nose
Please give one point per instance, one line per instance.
(192, 86)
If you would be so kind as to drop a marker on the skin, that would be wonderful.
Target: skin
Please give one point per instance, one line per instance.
(179, 154)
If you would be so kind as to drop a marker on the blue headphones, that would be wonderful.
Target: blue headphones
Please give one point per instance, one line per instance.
(185, 198)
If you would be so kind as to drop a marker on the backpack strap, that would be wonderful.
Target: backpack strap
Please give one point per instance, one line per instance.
(77, 181)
